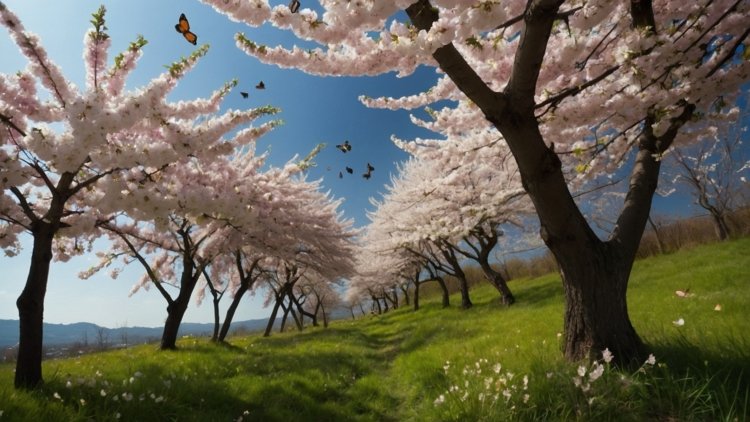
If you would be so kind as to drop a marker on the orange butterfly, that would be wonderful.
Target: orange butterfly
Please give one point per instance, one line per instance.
(184, 28)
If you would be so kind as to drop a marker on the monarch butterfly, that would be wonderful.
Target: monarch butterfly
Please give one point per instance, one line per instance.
(345, 147)
(184, 28)
(294, 6)
(260, 85)
(349, 170)
(244, 94)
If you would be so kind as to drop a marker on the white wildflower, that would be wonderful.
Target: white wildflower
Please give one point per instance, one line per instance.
(596, 373)
(68, 384)
(506, 394)
(607, 355)
(481, 396)
(127, 396)
(497, 368)
(440, 400)
(117, 415)
(525, 398)
(651, 359)
(57, 396)
(159, 399)
(525, 382)
(103, 393)
(581, 371)
(465, 396)
(83, 402)
(680, 322)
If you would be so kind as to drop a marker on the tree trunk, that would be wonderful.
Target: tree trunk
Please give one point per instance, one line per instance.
(416, 293)
(446, 294)
(176, 309)
(405, 289)
(232, 309)
(272, 319)
(377, 302)
(497, 280)
(217, 319)
(720, 225)
(351, 310)
(596, 314)
(361, 309)
(31, 310)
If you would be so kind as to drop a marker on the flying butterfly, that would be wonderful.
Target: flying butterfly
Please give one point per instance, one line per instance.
(183, 27)
(370, 168)
(294, 6)
(345, 147)
(260, 85)
(349, 170)
(244, 94)
(341, 176)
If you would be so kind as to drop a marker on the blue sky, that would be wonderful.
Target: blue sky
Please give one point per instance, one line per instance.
(314, 110)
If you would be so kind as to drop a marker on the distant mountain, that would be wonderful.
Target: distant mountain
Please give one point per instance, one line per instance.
(88, 333)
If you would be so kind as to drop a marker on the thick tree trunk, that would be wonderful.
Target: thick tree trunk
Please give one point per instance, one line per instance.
(31, 310)
(176, 309)
(232, 309)
(596, 314)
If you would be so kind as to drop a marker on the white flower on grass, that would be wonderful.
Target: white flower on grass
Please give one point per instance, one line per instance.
(57, 396)
(607, 355)
(717, 307)
(465, 396)
(525, 398)
(597, 372)
(440, 400)
(680, 322)
(481, 396)
(497, 368)
(68, 384)
(103, 393)
(651, 359)
(127, 396)
(117, 415)
(83, 402)
(159, 399)
(525, 382)
(581, 371)
(506, 394)
(549, 375)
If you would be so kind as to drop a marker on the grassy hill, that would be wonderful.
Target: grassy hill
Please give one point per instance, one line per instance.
(487, 363)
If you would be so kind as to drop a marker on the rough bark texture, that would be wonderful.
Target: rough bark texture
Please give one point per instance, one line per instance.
(272, 318)
(31, 310)
(175, 312)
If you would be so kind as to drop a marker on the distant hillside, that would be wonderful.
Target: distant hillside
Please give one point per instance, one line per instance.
(85, 332)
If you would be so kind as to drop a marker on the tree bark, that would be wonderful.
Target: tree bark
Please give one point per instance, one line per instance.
(272, 319)
(217, 319)
(497, 280)
(31, 309)
(231, 311)
(720, 224)
(175, 313)
(416, 292)
(446, 294)
(405, 289)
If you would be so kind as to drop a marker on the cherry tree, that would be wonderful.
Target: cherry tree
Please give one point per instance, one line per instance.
(68, 159)
(715, 173)
(608, 83)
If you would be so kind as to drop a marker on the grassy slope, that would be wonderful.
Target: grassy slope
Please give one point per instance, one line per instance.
(390, 368)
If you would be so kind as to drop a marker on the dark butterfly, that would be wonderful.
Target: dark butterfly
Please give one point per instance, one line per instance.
(345, 147)
(260, 85)
(341, 176)
(370, 168)
(184, 28)
(294, 6)
(244, 94)
(350, 170)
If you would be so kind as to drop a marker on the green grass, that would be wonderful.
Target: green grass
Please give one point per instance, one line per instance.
(394, 367)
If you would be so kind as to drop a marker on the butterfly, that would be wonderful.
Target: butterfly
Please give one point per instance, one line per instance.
(260, 85)
(244, 94)
(184, 28)
(294, 6)
(349, 170)
(370, 168)
(345, 147)
(341, 176)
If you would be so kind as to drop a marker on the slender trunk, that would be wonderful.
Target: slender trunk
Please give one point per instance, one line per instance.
(416, 294)
(385, 303)
(284, 318)
(325, 316)
(31, 310)
(405, 289)
(377, 302)
(217, 319)
(720, 225)
(351, 310)
(272, 319)
(361, 309)
(232, 309)
(297, 319)
(497, 280)
(657, 234)
(446, 295)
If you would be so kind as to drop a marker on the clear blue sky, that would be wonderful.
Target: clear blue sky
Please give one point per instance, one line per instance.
(315, 110)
